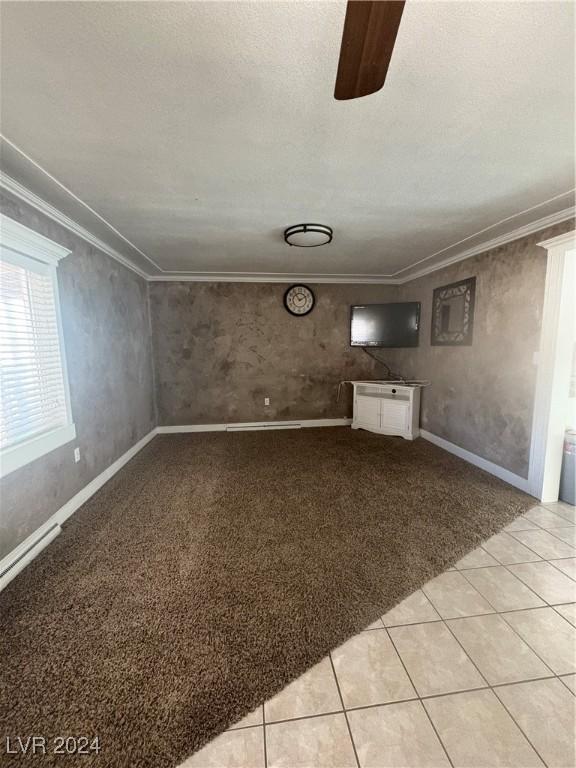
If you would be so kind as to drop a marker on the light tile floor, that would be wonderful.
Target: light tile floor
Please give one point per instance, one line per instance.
(477, 668)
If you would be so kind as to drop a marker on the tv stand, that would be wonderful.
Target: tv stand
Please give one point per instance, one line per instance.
(387, 408)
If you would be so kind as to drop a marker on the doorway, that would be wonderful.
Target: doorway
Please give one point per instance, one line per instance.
(555, 401)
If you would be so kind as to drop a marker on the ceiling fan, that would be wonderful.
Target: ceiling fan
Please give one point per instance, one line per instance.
(370, 30)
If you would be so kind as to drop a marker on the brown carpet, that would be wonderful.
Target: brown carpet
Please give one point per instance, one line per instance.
(215, 568)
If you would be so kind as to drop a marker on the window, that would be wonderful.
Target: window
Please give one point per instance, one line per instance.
(35, 415)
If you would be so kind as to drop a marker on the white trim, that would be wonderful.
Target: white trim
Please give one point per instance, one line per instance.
(253, 425)
(493, 226)
(11, 560)
(18, 190)
(567, 239)
(32, 251)
(26, 551)
(21, 192)
(23, 453)
(488, 245)
(94, 485)
(478, 461)
(23, 240)
(63, 355)
(553, 370)
(270, 277)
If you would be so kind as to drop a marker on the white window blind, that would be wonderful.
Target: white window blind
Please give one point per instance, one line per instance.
(35, 415)
(31, 379)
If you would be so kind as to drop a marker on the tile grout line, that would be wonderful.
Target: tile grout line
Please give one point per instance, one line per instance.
(548, 505)
(539, 526)
(492, 565)
(521, 582)
(474, 615)
(499, 562)
(419, 698)
(520, 728)
(264, 737)
(489, 687)
(546, 559)
(308, 717)
(561, 678)
(344, 709)
(550, 605)
(561, 605)
(532, 548)
(540, 597)
(464, 651)
(553, 563)
(561, 528)
(556, 674)
(517, 541)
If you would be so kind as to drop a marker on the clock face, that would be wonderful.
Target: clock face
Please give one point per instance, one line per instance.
(299, 300)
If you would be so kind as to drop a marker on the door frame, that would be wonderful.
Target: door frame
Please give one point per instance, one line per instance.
(554, 366)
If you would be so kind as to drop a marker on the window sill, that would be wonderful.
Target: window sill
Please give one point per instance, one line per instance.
(19, 455)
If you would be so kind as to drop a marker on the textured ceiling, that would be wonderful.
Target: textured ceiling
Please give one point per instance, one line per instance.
(201, 130)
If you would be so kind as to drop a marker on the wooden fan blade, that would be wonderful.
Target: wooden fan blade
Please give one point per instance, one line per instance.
(370, 30)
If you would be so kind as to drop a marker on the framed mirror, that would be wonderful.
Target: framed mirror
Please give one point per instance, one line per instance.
(453, 314)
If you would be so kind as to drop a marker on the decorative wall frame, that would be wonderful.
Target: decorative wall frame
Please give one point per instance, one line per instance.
(453, 314)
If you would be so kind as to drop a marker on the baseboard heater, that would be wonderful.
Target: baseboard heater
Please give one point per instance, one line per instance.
(20, 560)
(263, 425)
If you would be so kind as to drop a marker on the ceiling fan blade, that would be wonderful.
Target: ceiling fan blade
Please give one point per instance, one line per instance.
(370, 30)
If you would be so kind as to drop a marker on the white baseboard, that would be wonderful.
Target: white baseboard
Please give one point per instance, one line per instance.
(26, 551)
(94, 485)
(242, 426)
(478, 461)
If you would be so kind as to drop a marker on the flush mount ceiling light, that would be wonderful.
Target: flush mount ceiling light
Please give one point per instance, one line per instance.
(308, 235)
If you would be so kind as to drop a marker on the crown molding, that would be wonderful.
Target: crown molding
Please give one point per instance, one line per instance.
(270, 277)
(24, 194)
(488, 245)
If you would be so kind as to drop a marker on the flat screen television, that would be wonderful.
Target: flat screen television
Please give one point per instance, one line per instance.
(385, 325)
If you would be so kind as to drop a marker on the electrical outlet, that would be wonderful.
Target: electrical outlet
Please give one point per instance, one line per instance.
(76, 455)
(266, 401)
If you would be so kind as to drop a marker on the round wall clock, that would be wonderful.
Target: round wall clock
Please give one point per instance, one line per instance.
(299, 300)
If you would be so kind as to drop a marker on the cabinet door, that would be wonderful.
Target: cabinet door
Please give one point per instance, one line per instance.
(394, 416)
(368, 412)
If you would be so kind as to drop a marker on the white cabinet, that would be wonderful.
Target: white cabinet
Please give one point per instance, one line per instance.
(367, 412)
(389, 409)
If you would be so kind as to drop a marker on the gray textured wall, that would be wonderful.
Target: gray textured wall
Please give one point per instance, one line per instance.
(220, 348)
(106, 332)
(482, 396)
